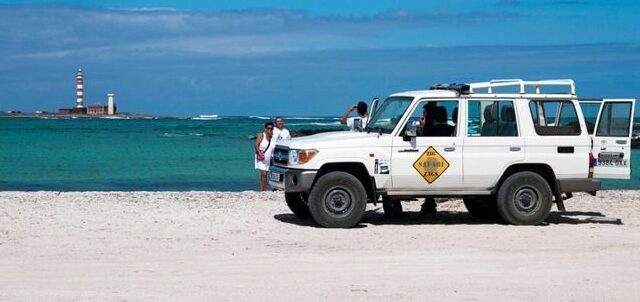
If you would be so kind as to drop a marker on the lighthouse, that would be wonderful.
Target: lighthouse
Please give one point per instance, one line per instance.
(79, 89)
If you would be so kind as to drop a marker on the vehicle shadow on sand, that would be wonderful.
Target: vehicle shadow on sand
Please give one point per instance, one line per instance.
(376, 217)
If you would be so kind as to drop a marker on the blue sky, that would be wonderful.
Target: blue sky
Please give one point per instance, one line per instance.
(303, 57)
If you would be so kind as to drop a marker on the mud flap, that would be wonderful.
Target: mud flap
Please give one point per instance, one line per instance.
(558, 197)
(371, 192)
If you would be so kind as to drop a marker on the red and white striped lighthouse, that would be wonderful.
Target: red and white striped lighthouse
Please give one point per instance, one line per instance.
(79, 89)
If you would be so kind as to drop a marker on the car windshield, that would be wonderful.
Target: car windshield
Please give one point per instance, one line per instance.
(386, 118)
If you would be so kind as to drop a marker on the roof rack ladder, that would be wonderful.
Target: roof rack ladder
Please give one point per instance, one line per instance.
(522, 85)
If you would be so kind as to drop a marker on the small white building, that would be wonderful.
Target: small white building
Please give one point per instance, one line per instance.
(111, 105)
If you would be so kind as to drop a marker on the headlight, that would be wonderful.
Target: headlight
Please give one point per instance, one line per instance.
(299, 157)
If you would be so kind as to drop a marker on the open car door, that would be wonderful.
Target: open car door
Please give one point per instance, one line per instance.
(612, 139)
(373, 107)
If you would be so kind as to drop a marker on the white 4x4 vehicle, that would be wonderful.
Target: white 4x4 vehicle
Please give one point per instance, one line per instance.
(511, 153)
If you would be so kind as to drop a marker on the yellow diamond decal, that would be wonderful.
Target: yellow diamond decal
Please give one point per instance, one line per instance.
(431, 165)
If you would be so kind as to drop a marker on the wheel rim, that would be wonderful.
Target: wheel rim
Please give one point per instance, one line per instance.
(338, 201)
(527, 199)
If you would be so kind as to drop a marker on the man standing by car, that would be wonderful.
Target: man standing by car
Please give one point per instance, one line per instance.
(356, 123)
(280, 132)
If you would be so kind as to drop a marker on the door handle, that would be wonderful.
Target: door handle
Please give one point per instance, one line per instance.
(621, 142)
(515, 148)
(566, 149)
(449, 149)
(408, 150)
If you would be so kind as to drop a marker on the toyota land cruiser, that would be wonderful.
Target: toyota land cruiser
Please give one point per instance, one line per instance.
(506, 147)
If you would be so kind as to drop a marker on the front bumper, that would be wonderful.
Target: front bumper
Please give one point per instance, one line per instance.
(291, 180)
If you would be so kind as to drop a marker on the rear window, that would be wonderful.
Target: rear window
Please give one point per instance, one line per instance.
(554, 117)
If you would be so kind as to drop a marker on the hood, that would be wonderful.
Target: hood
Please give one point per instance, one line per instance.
(335, 139)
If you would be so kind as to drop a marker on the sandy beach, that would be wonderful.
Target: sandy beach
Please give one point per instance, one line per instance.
(214, 246)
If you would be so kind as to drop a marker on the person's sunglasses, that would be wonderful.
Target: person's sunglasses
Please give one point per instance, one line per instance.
(269, 128)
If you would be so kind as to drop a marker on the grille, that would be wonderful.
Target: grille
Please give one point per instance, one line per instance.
(280, 155)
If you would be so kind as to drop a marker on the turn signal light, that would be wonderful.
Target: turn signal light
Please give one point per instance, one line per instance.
(306, 155)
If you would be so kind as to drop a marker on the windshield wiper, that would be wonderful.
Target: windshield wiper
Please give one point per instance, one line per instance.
(376, 129)
(367, 128)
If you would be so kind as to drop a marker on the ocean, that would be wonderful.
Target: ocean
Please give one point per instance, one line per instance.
(148, 154)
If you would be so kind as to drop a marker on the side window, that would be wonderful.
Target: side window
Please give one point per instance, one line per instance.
(435, 118)
(568, 116)
(590, 111)
(492, 118)
(554, 117)
(614, 120)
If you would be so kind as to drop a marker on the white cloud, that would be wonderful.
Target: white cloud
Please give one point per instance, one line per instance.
(58, 31)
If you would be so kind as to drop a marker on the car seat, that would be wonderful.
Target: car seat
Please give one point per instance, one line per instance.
(441, 128)
(490, 126)
(454, 115)
(508, 125)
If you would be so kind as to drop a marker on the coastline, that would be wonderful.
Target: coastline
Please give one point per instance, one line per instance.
(189, 246)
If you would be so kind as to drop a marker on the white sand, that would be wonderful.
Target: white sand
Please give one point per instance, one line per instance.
(194, 246)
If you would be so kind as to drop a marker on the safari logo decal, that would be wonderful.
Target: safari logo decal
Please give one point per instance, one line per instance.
(431, 165)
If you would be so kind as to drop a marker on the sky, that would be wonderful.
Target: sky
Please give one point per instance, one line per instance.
(312, 58)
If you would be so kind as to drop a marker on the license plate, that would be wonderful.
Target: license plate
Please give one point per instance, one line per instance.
(275, 176)
(612, 163)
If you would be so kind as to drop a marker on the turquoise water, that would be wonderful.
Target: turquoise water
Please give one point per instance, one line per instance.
(138, 154)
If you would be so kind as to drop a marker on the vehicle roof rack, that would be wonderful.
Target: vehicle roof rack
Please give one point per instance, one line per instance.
(460, 88)
(522, 84)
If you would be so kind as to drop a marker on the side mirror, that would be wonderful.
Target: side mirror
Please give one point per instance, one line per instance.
(410, 131)
(357, 124)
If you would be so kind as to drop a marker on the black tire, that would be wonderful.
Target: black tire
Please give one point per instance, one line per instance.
(524, 198)
(337, 200)
(484, 207)
(297, 203)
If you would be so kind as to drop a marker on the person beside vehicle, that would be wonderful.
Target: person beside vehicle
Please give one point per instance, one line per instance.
(264, 150)
(280, 132)
(356, 123)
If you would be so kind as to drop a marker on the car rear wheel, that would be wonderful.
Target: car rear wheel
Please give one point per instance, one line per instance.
(524, 198)
(337, 200)
(297, 203)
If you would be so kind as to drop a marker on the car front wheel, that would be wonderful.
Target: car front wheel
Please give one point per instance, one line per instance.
(337, 200)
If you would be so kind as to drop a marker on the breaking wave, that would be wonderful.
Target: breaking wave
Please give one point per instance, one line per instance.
(312, 118)
(337, 123)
